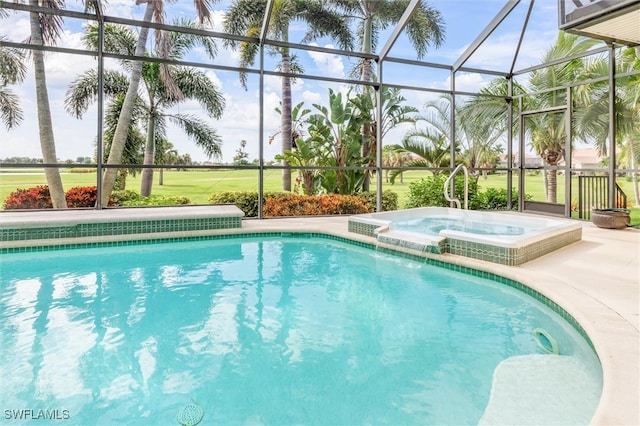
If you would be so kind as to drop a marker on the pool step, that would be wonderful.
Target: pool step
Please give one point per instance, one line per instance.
(540, 390)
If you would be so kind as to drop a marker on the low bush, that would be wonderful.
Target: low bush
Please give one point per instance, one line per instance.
(247, 201)
(430, 191)
(495, 199)
(156, 200)
(121, 196)
(389, 199)
(37, 197)
(315, 205)
(83, 196)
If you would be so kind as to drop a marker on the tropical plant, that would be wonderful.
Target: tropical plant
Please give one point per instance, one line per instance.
(394, 113)
(591, 115)
(154, 10)
(157, 97)
(392, 158)
(12, 71)
(428, 147)
(548, 131)
(245, 17)
(545, 131)
(339, 127)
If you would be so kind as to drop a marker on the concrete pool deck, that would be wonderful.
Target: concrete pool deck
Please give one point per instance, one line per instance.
(596, 280)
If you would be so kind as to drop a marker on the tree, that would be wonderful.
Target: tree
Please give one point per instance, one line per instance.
(392, 157)
(245, 18)
(154, 10)
(547, 131)
(592, 110)
(45, 29)
(339, 127)
(429, 147)
(240, 158)
(157, 97)
(394, 113)
(424, 28)
(12, 71)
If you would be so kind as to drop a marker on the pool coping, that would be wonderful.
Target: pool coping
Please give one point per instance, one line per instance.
(595, 280)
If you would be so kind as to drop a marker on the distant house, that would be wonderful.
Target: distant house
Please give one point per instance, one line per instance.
(530, 160)
(582, 158)
(585, 158)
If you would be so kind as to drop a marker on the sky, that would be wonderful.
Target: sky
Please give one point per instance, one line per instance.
(464, 20)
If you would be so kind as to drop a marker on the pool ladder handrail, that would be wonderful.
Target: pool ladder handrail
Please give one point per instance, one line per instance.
(447, 187)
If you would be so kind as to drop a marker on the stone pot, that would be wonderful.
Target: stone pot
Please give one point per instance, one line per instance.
(611, 218)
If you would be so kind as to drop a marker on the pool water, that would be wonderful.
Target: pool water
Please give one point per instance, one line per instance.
(263, 331)
(433, 225)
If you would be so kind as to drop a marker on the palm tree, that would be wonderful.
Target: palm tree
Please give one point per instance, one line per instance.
(391, 158)
(429, 147)
(245, 18)
(424, 28)
(547, 131)
(154, 10)
(12, 71)
(592, 110)
(156, 97)
(394, 113)
(45, 29)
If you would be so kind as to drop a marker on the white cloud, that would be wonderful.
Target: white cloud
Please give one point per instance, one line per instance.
(310, 97)
(327, 64)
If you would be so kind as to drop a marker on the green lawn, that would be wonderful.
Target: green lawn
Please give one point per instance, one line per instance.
(199, 185)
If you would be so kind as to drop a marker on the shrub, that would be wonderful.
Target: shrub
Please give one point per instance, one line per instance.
(82, 196)
(495, 199)
(156, 200)
(312, 205)
(389, 199)
(247, 201)
(37, 197)
(124, 195)
(430, 191)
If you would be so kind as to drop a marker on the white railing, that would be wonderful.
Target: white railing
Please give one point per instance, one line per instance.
(449, 190)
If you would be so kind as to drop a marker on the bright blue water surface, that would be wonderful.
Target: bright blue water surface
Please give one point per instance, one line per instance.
(261, 331)
(432, 225)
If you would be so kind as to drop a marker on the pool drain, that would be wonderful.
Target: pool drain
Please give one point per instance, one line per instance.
(190, 415)
(546, 342)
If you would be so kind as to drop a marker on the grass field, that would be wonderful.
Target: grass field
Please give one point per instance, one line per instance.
(199, 185)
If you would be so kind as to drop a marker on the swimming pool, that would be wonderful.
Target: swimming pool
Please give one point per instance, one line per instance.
(274, 330)
(500, 237)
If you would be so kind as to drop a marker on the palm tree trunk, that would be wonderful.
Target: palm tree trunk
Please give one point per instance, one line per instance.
(285, 118)
(552, 186)
(634, 175)
(124, 120)
(45, 125)
(146, 181)
(367, 75)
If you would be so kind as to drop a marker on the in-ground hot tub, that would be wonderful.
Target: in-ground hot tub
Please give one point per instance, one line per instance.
(500, 237)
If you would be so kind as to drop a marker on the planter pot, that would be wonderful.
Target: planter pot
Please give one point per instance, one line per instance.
(611, 218)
